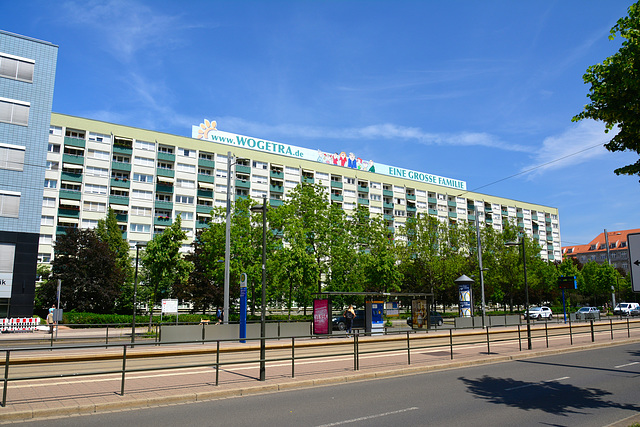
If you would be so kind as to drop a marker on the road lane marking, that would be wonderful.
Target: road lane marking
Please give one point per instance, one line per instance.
(626, 364)
(539, 383)
(370, 417)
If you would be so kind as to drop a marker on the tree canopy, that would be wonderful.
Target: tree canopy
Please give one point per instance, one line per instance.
(615, 90)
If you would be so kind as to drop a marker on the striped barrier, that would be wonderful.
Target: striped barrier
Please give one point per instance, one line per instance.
(19, 324)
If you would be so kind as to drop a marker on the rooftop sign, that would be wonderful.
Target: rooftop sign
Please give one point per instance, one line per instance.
(207, 131)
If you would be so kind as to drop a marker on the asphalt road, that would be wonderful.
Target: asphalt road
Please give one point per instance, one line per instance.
(590, 388)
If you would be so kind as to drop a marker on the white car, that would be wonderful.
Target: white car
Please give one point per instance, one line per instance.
(624, 308)
(539, 313)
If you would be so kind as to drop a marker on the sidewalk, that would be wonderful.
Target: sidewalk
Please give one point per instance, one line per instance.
(87, 394)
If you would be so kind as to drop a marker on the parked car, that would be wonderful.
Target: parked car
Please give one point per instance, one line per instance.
(340, 322)
(624, 308)
(539, 313)
(434, 317)
(588, 313)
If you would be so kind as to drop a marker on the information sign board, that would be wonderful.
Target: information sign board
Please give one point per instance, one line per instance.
(633, 242)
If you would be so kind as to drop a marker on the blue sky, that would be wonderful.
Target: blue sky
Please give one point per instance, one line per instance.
(473, 90)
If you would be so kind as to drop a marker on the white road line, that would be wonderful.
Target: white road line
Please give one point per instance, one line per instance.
(532, 384)
(370, 417)
(626, 364)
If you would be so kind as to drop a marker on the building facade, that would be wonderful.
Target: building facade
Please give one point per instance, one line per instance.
(149, 178)
(596, 250)
(27, 75)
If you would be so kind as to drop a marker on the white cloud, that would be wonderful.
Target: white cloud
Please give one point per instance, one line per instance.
(578, 144)
(385, 131)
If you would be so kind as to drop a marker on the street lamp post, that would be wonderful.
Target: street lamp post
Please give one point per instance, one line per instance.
(227, 242)
(526, 287)
(484, 309)
(263, 209)
(135, 294)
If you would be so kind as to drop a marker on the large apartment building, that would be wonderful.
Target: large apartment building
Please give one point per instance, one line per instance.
(597, 250)
(149, 178)
(27, 74)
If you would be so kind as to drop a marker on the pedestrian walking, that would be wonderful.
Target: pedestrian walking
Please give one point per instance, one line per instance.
(350, 314)
(50, 321)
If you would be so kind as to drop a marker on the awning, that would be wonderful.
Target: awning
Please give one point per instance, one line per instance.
(210, 185)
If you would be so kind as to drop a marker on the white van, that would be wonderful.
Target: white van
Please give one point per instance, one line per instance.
(624, 308)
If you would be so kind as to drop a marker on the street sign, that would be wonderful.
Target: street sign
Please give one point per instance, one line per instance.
(567, 282)
(633, 242)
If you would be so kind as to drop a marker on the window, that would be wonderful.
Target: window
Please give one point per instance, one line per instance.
(44, 257)
(11, 157)
(89, 223)
(121, 159)
(258, 194)
(140, 211)
(186, 168)
(185, 183)
(163, 197)
(165, 165)
(14, 112)
(55, 130)
(375, 209)
(165, 149)
(95, 207)
(349, 193)
(98, 137)
(221, 173)
(143, 161)
(320, 176)
(290, 184)
(98, 154)
(221, 188)
(186, 216)
(421, 193)
(399, 212)
(207, 156)
(50, 183)
(259, 179)
(143, 145)
(142, 194)
(48, 202)
(259, 165)
(186, 153)
(349, 180)
(375, 197)
(398, 189)
(140, 228)
(95, 189)
(16, 68)
(292, 171)
(92, 170)
(205, 171)
(140, 177)
(46, 220)
(221, 158)
(53, 148)
(45, 239)
(183, 199)
(375, 185)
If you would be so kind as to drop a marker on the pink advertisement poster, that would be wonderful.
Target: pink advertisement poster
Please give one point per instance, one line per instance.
(321, 318)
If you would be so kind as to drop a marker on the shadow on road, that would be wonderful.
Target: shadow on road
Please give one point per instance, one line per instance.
(552, 396)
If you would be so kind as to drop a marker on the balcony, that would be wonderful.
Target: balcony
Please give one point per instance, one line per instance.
(276, 174)
(206, 178)
(122, 149)
(307, 179)
(121, 166)
(387, 193)
(336, 198)
(69, 213)
(61, 229)
(432, 200)
(68, 176)
(70, 194)
(243, 169)
(166, 157)
(433, 212)
(411, 196)
(123, 217)
(70, 141)
(362, 189)
(161, 204)
(162, 221)
(201, 224)
(206, 163)
(386, 205)
(204, 209)
(362, 201)
(118, 200)
(164, 188)
(387, 217)
(242, 183)
(276, 188)
(275, 202)
(169, 173)
(534, 217)
(411, 209)
(205, 193)
(488, 209)
(73, 159)
(120, 183)
(471, 217)
(519, 215)
(336, 184)
(505, 213)
(452, 204)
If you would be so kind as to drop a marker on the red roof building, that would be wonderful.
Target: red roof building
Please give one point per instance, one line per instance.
(596, 250)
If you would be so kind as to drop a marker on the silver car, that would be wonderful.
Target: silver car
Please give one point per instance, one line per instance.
(586, 313)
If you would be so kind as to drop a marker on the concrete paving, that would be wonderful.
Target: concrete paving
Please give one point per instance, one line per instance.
(68, 395)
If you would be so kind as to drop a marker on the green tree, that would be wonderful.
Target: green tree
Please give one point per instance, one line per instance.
(163, 266)
(615, 92)
(91, 279)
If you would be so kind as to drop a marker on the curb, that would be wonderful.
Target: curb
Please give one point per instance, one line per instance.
(292, 385)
